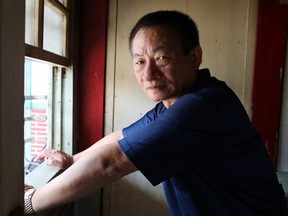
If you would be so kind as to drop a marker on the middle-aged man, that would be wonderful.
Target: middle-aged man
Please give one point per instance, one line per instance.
(198, 140)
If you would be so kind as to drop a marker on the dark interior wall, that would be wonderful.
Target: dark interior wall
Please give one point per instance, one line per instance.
(91, 72)
(272, 34)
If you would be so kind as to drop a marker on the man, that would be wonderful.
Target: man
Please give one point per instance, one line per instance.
(197, 141)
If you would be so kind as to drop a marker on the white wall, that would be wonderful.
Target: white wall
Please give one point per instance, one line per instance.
(227, 36)
(11, 104)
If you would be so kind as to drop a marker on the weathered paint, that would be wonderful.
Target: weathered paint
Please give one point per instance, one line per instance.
(91, 73)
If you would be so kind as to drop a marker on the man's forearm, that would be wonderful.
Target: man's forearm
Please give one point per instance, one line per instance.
(100, 166)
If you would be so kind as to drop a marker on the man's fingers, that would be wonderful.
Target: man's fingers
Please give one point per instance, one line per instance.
(45, 153)
(39, 158)
(55, 158)
(52, 162)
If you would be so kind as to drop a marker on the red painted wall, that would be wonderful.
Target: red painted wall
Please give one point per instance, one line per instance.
(270, 58)
(91, 73)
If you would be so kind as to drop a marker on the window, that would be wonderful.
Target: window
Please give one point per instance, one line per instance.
(47, 30)
(36, 91)
(48, 99)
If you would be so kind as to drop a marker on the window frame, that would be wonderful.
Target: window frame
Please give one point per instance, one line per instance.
(38, 52)
(61, 117)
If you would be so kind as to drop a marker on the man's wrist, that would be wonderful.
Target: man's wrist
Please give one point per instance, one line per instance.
(69, 161)
(28, 202)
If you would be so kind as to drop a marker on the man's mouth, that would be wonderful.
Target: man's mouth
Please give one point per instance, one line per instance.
(156, 86)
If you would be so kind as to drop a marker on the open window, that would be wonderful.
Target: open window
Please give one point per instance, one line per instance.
(48, 99)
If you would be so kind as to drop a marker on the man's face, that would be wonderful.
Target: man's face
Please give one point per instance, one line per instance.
(160, 65)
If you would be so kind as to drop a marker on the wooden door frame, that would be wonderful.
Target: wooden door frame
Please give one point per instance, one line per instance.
(271, 42)
(91, 73)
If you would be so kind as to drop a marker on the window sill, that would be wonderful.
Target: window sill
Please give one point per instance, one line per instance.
(41, 175)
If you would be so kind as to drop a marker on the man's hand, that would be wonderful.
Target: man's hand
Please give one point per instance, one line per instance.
(55, 158)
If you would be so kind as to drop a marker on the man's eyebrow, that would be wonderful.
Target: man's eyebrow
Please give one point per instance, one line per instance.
(135, 55)
(159, 48)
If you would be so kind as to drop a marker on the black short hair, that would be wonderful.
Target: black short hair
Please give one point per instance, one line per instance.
(184, 27)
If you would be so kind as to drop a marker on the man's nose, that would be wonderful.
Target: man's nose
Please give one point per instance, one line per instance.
(151, 71)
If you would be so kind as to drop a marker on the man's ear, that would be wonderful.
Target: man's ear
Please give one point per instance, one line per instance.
(197, 56)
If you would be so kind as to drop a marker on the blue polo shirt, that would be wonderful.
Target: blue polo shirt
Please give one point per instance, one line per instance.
(206, 153)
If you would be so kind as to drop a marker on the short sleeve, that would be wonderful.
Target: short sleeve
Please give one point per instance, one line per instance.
(176, 141)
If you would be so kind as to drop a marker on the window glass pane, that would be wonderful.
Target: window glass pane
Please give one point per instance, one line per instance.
(54, 30)
(31, 22)
(36, 127)
(64, 2)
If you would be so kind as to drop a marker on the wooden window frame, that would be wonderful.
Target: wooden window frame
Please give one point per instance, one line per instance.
(38, 52)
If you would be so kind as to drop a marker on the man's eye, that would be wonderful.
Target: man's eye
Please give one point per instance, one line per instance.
(163, 60)
(139, 62)
(162, 57)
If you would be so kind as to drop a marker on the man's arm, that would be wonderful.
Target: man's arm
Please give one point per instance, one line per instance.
(111, 138)
(101, 165)
(63, 160)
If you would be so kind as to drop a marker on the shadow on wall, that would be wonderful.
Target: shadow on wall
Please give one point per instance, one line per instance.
(134, 195)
